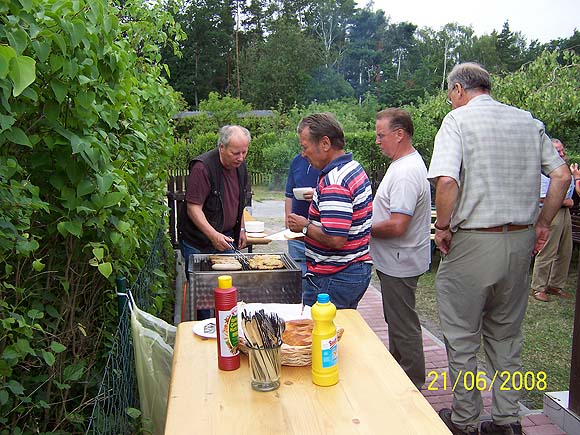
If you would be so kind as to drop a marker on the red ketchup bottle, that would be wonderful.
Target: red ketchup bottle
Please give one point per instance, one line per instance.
(226, 316)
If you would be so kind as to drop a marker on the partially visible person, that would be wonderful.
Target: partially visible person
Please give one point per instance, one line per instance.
(301, 174)
(553, 261)
(575, 170)
(485, 168)
(400, 238)
(338, 227)
(212, 218)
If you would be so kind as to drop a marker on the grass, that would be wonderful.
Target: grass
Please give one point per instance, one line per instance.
(547, 335)
(261, 193)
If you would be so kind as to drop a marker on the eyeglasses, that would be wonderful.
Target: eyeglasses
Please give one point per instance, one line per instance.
(381, 136)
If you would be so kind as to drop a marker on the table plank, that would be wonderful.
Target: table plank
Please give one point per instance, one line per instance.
(373, 394)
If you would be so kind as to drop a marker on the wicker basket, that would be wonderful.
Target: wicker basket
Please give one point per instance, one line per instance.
(293, 355)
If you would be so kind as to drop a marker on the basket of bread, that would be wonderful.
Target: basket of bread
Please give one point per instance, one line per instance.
(296, 347)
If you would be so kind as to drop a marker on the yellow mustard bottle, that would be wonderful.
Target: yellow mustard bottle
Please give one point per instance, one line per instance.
(324, 342)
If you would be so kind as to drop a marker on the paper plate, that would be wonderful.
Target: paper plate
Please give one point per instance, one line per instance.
(205, 328)
(256, 235)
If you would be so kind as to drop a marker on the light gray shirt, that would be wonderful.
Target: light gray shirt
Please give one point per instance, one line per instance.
(404, 189)
(495, 153)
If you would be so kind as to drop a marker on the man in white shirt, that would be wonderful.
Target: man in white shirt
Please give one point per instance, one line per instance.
(400, 238)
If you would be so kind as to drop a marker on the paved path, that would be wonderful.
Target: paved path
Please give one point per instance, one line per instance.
(371, 310)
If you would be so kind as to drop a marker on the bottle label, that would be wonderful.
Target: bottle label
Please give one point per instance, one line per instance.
(329, 352)
(228, 332)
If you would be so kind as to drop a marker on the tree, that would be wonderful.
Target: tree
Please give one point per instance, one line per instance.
(280, 70)
(511, 48)
(364, 54)
(207, 57)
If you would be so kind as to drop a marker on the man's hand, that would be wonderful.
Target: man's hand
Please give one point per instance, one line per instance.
(443, 240)
(243, 240)
(542, 233)
(296, 222)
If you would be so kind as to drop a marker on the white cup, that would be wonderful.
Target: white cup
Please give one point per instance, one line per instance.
(300, 191)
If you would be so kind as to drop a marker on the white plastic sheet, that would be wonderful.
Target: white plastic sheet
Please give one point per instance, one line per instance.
(153, 341)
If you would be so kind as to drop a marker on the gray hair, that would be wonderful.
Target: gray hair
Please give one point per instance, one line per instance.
(469, 75)
(227, 131)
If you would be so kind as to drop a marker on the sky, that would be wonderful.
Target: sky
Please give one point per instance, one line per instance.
(543, 20)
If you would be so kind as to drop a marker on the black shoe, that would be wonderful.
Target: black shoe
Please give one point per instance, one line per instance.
(490, 428)
(445, 415)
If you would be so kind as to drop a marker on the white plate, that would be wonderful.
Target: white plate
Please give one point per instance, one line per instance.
(203, 328)
(256, 235)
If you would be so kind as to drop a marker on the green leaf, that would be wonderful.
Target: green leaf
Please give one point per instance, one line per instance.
(3, 397)
(106, 269)
(57, 347)
(104, 182)
(112, 198)
(22, 72)
(23, 347)
(18, 39)
(73, 372)
(133, 413)
(38, 265)
(123, 226)
(6, 54)
(18, 136)
(6, 122)
(70, 227)
(59, 89)
(35, 314)
(10, 353)
(85, 187)
(60, 385)
(48, 357)
(15, 387)
(51, 311)
(42, 49)
(99, 253)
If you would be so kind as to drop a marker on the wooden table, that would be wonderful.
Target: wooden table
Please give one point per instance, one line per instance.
(373, 396)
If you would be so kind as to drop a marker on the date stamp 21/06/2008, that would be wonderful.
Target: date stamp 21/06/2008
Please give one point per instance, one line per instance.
(480, 381)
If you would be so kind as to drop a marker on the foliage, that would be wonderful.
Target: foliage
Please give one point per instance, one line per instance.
(85, 138)
(224, 110)
(550, 90)
(278, 70)
(205, 56)
(296, 52)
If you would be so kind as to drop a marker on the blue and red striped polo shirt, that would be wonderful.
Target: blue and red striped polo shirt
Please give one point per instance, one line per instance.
(343, 206)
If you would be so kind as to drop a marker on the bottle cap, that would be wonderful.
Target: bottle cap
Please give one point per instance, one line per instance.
(323, 298)
(224, 281)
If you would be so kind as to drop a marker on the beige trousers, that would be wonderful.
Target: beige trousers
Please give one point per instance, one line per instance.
(482, 293)
(552, 263)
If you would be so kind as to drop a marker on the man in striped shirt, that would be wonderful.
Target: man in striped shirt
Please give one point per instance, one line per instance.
(337, 230)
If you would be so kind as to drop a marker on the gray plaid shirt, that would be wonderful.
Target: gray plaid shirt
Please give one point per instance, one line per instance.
(495, 152)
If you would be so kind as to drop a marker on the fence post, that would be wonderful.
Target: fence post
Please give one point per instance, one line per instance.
(574, 393)
(122, 299)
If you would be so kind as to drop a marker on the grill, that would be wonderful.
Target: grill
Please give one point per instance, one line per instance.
(265, 286)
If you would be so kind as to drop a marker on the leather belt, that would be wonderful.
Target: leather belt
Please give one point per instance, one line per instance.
(499, 229)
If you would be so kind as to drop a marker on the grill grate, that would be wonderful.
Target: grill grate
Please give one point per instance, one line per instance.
(266, 286)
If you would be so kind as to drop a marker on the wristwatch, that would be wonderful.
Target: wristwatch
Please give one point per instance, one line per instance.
(305, 228)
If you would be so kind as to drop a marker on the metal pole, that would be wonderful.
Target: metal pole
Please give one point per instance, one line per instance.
(574, 395)
(122, 299)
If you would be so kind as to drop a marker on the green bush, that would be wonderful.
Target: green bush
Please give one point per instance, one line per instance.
(85, 141)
